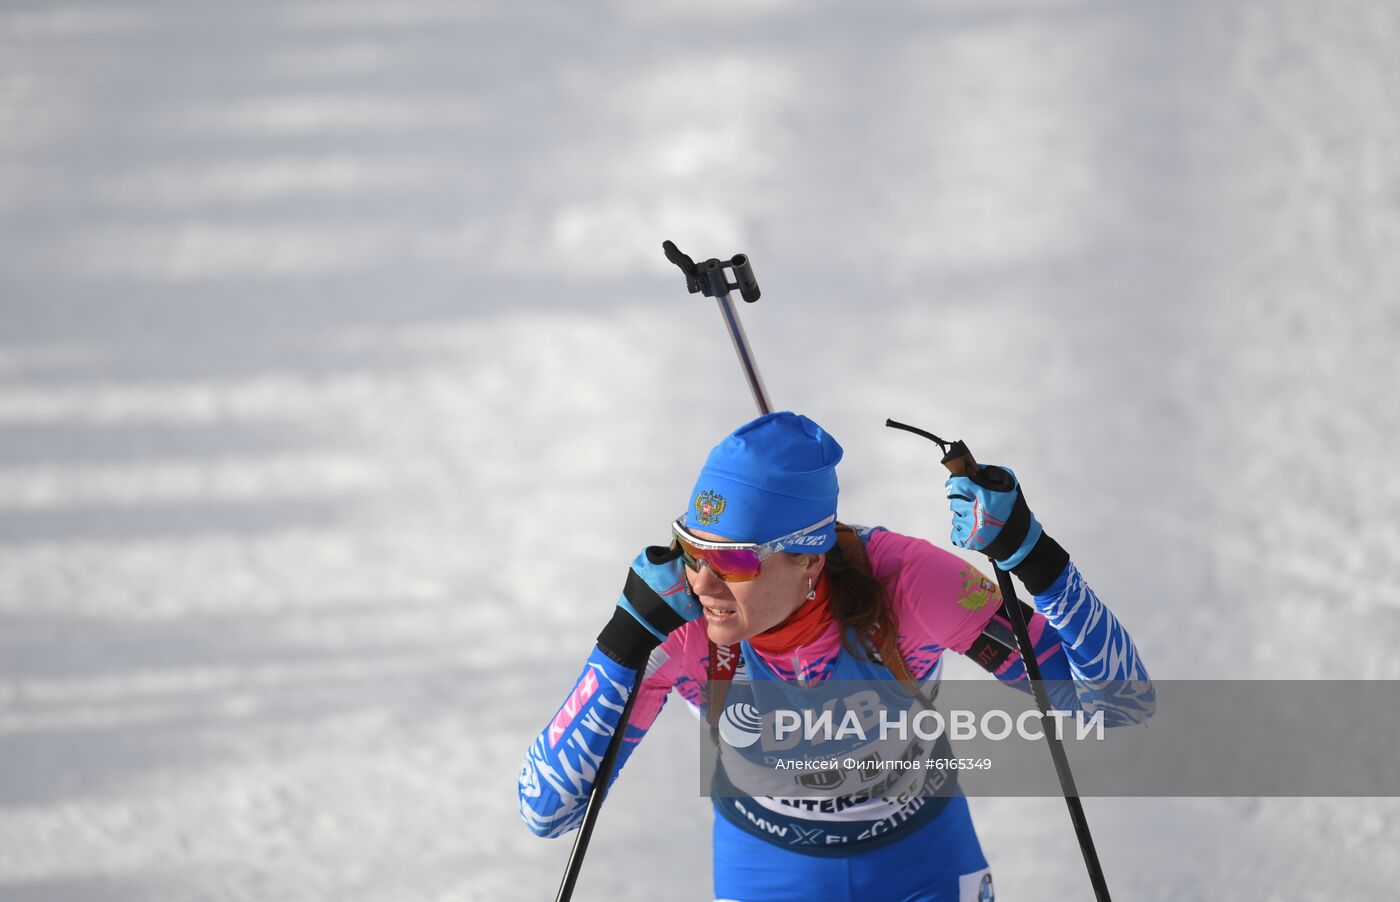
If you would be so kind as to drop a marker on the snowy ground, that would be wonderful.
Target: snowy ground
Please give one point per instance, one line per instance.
(341, 375)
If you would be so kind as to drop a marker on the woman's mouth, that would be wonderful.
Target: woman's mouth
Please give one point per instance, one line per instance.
(717, 614)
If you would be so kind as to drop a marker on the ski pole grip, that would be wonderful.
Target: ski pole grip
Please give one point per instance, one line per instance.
(959, 460)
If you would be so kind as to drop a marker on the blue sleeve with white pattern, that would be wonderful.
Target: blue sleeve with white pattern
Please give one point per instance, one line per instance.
(561, 765)
(1103, 662)
(1087, 659)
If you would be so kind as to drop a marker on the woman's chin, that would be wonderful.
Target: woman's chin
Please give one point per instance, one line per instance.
(725, 632)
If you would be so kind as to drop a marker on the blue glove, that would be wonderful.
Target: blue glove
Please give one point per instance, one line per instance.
(656, 600)
(657, 592)
(990, 515)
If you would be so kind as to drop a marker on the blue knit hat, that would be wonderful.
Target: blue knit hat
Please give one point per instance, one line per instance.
(772, 476)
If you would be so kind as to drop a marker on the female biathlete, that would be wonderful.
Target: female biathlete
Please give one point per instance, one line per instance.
(761, 584)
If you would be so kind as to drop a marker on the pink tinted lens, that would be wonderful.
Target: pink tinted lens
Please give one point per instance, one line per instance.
(731, 565)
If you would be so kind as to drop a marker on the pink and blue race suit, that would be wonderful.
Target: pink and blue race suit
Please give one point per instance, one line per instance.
(895, 843)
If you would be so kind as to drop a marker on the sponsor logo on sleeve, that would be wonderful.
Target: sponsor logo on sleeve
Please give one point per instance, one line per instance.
(581, 694)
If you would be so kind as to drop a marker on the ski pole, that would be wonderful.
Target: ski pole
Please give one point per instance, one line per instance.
(709, 278)
(595, 798)
(959, 461)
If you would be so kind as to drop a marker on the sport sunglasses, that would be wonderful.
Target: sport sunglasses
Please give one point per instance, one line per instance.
(739, 562)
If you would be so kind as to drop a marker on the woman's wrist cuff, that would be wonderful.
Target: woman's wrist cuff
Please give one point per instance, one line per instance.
(626, 641)
(1041, 566)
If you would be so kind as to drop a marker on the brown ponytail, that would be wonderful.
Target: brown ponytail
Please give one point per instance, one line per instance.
(857, 598)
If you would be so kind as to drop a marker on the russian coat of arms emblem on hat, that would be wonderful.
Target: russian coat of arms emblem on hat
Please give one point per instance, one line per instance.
(708, 507)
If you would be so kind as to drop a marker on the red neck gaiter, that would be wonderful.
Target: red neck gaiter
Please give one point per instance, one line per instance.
(802, 627)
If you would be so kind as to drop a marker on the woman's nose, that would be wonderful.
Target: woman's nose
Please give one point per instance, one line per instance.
(704, 582)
